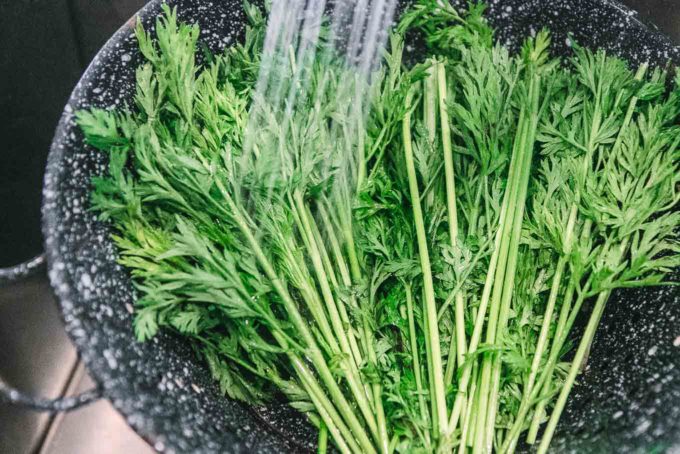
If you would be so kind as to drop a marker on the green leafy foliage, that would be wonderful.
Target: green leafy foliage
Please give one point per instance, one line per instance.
(324, 252)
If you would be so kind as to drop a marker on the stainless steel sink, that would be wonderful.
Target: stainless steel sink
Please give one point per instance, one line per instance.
(37, 357)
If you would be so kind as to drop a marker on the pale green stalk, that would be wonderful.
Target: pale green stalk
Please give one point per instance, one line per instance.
(574, 370)
(467, 429)
(322, 444)
(356, 355)
(542, 384)
(353, 377)
(513, 254)
(347, 282)
(344, 221)
(415, 357)
(536, 419)
(498, 275)
(342, 437)
(580, 356)
(376, 390)
(430, 121)
(308, 290)
(428, 358)
(330, 272)
(547, 318)
(428, 286)
(459, 401)
(550, 305)
(298, 321)
(460, 338)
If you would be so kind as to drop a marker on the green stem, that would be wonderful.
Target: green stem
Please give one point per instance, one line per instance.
(306, 287)
(545, 327)
(415, 357)
(383, 438)
(341, 434)
(342, 217)
(330, 270)
(487, 209)
(356, 355)
(429, 104)
(376, 390)
(347, 282)
(467, 429)
(432, 336)
(460, 337)
(451, 358)
(508, 286)
(322, 445)
(498, 274)
(536, 419)
(300, 324)
(461, 394)
(339, 430)
(428, 363)
(430, 116)
(345, 221)
(349, 332)
(584, 345)
(361, 146)
(505, 279)
(547, 318)
(563, 326)
(567, 243)
(574, 370)
(429, 120)
(352, 375)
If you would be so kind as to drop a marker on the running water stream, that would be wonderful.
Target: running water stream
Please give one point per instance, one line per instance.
(301, 33)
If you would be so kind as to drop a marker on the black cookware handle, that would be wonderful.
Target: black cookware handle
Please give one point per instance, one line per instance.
(13, 396)
(22, 270)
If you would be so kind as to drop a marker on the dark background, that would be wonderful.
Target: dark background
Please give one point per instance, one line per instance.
(44, 47)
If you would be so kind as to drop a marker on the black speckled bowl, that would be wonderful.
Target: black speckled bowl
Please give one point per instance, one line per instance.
(628, 399)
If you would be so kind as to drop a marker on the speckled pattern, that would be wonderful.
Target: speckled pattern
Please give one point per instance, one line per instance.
(22, 270)
(628, 399)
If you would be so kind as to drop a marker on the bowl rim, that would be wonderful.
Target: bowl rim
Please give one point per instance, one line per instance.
(53, 173)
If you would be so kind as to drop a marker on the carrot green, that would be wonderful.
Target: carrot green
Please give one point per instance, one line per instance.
(406, 273)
